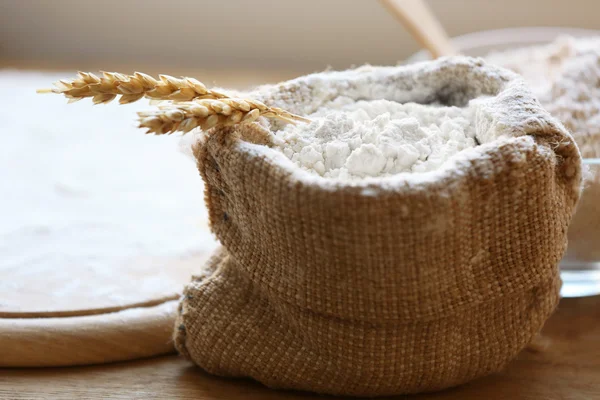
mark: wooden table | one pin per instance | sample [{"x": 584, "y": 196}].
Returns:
[{"x": 563, "y": 364}]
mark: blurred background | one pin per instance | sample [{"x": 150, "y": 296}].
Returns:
[{"x": 267, "y": 40}]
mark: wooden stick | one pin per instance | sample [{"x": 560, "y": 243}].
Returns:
[{"x": 421, "y": 23}]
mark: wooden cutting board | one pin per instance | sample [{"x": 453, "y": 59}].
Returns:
[
  {"x": 100, "y": 228},
  {"x": 86, "y": 316}
]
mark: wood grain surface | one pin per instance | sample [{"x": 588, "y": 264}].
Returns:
[
  {"x": 564, "y": 363},
  {"x": 92, "y": 339},
  {"x": 81, "y": 334}
]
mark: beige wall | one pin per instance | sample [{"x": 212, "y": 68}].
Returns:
[{"x": 304, "y": 34}]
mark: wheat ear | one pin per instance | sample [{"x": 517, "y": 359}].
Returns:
[
  {"x": 194, "y": 105},
  {"x": 208, "y": 113},
  {"x": 131, "y": 88}
]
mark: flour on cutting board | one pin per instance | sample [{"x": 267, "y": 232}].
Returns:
[
  {"x": 84, "y": 191},
  {"x": 350, "y": 139}
]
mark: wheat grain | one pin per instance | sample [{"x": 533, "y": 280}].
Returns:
[
  {"x": 208, "y": 113},
  {"x": 131, "y": 88}
]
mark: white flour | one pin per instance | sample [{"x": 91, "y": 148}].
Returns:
[
  {"x": 565, "y": 76},
  {"x": 353, "y": 140}
]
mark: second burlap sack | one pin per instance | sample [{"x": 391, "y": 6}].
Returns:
[{"x": 403, "y": 284}]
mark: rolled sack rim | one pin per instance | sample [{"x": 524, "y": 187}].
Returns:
[{"x": 510, "y": 115}]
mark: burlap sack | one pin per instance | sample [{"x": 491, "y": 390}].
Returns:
[{"x": 410, "y": 283}]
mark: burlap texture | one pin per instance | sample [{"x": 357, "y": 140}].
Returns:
[{"x": 405, "y": 284}]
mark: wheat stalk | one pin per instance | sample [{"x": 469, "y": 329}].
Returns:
[
  {"x": 208, "y": 113},
  {"x": 131, "y": 88},
  {"x": 192, "y": 103}
]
